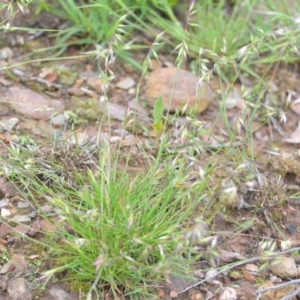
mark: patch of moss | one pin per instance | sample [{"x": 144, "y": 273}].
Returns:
[
  {"x": 4, "y": 256},
  {"x": 77, "y": 285},
  {"x": 66, "y": 75},
  {"x": 36, "y": 248},
  {"x": 86, "y": 111},
  {"x": 260, "y": 280}
]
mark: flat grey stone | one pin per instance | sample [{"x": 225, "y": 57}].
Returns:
[
  {"x": 18, "y": 289},
  {"x": 46, "y": 208},
  {"x": 33, "y": 104},
  {"x": 21, "y": 218},
  {"x": 23, "y": 204},
  {"x": 32, "y": 214},
  {"x": 126, "y": 83},
  {"x": 5, "y": 268},
  {"x": 121, "y": 132},
  {"x": 57, "y": 293},
  {"x": 4, "y": 202}
]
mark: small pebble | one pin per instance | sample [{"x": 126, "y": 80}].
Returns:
[
  {"x": 96, "y": 84},
  {"x": 252, "y": 268},
  {"x": 32, "y": 214},
  {"x": 115, "y": 139},
  {"x": 285, "y": 267},
  {"x": 21, "y": 218},
  {"x": 130, "y": 137},
  {"x": 4, "y": 202},
  {"x": 23, "y": 204},
  {"x": 230, "y": 102},
  {"x": 126, "y": 83},
  {"x": 34, "y": 256},
  {"x": 179, "y": 90},
  {"x": 211, "y": 274},
  {"x": 46, "y": 209},
  {"x": 291, "y": 227},
  {"x": 75, "y": 91},
  {"x": 6, "y": 53},
  {"x": 121, "y": 132},
  {"x": 5, "y": 212},
  {"x": 132, "y": 91},
  {"x": 57, "y": 121},
  {"x": 6, "y": 267}
]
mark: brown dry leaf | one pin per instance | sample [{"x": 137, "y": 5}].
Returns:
[
  {"x": 228, "y": 294},
  {"x": 252, "y": 268},
  {"x": 160, "y": 294},
  {"x": 230, "y": 256},
  {"x": 248, "y": 276},
  {"x": 295, "y": 136},
  {"x": 51, "y": 78},
  {"x": 286, "y": 290},
  {"x": 237, "y": 244},
  {"x": 268, "y": 295},
  {"x": 47, "y": 72},
  {"x": 173, "y": 294},
  {"x": 75, "y": 91},
  {"x": 78, "y": 83},
  {"x": 4, "y": 242},
  {"x": 9, "y": 138}
]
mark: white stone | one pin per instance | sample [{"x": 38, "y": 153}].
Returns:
[
  {"x": 21, "y": 218},
  {"x": 5, "y": 213},
  {"x": 6, "y": 53},
  {"x": 18, "y": 288},
  {"x": 284, "y": 267},
  {"x": 23, "y": 204},
  {"x": 126, "y": 83},
  {"x": 4, "y": 202},
  {"x": 115, "y": 139}
]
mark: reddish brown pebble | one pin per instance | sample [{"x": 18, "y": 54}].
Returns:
[{"x": 179, "y": 90}]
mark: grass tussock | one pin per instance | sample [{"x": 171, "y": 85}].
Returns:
[{"x": 122, "y": 233}]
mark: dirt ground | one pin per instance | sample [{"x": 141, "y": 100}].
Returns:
[{"x": 268, "y": 172}]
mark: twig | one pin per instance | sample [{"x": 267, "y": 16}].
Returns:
[
  {"x": 278, "y": 127},
  {"x": 259, "y": 292},
  {"x": 293, "y": 294},
  {"x": 236, "y": 265}
]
